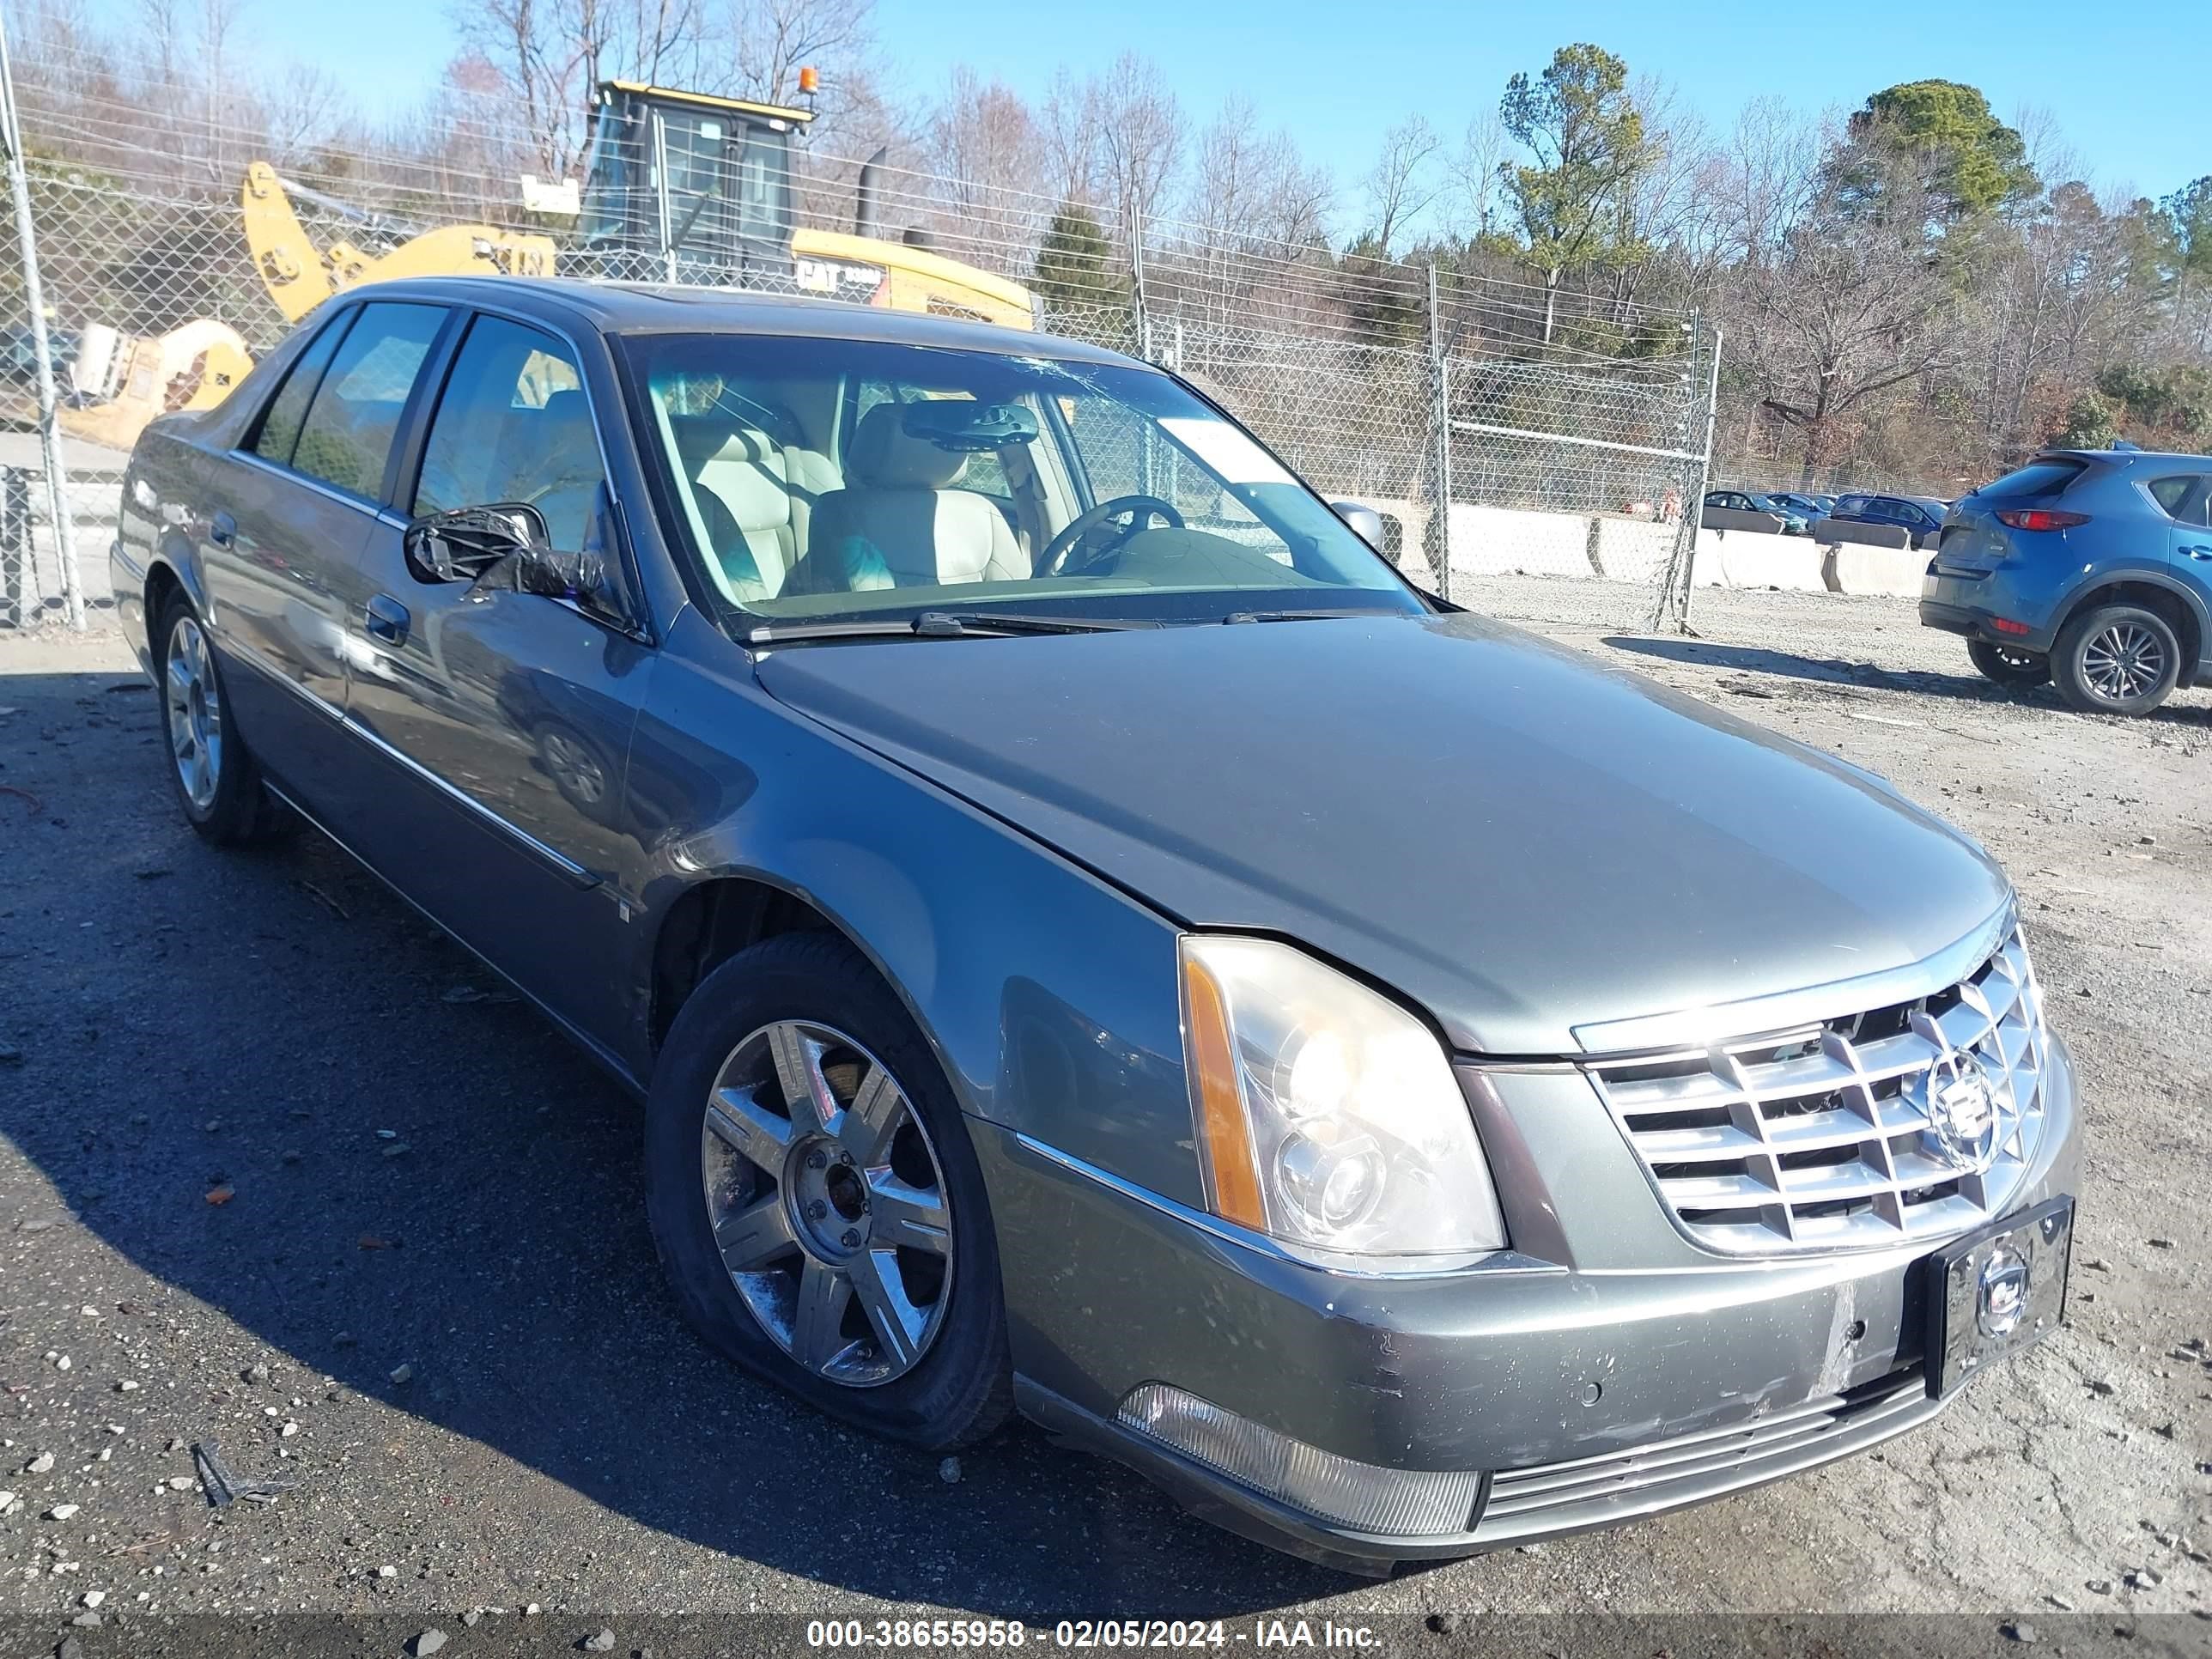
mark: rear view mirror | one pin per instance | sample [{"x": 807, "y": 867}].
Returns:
[{"x": 1363, "y": 522}]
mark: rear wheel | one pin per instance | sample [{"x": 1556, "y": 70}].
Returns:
[
  {"x": 2008, "y": 664},
  {"x": 2116, "y": 659},
  {"x": 217, "y": 783}
]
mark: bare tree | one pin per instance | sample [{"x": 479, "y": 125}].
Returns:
[
  {"x": 1140, "y": 138},
  {"x": 1477, "y": 204},
  {"x": 771, "y": 40},
  {"x": 1073, "y": 143},
  {"x": 1850, "y": 311},
  {"x": 989, "y": 156},
  {"x": 1401, "y": 185}
]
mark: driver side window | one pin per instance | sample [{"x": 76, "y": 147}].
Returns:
[{"x": 513, "y": 425}]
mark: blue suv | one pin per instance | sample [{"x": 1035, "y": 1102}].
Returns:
[{"x": 2090, "y": 568}]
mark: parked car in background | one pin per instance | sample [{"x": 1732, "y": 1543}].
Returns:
[
  {"x": 1920, "y": 516},
  {"x": 1812, "y": 508},
  {"x": 962, "y": 783},
  {"x": 1745, "y": 501},
  {"x": 2089, "y": 568}
]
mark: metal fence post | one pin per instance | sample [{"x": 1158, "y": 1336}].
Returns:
[
  {"x": 1672, "y": 614},
  {"x": 1440, "y": 419},
  {"x": 1137, "y": 283},
  {"x": 50, "y": 435}
]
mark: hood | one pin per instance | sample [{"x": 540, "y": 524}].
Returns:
[{"x": 1515, "y": 838}]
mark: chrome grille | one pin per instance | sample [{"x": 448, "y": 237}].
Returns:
[{"x": 1840, "y": 1135}]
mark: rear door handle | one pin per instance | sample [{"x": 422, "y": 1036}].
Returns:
[
  {"x": 223, "y": 530},
  {"x": 387, "y": 620}
]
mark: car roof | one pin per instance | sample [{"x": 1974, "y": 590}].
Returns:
[
  {"x": 652, "y": 308},
  {"x": 2124, "y": 457}
]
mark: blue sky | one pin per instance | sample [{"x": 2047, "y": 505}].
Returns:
[{"x": 2122, "y": 91}]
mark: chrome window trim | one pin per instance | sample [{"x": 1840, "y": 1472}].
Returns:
[
  {"x": 1719, "y": 1022},
  {"x": 346, "y": 497}
]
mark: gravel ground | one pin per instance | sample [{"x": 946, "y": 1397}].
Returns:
[{"x": 427, "y": 1298}]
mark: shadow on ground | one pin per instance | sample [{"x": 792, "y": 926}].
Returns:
[
  {"x": 1843, "y": 672},
  {"x": 190, "y": 1017}
]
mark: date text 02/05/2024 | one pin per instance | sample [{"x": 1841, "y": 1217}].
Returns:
[{"x": 1086, "y": 1633}]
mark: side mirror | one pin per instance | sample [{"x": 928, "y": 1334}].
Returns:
[
  {"x": 1363, "y": 522},
  {"x": 464, "y": 544},
  {"x": 506, "y": 546}
]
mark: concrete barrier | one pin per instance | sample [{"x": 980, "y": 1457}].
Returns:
[
  {"x": 1633, "y": 549},
  {"x": 1855, "y": 568},
  {"x": 1737, "y": 518},
  {"x": 1746, "y": 559},
  {"x": 1500, "y": 541},
  {"x": 1830, "y": 531}
]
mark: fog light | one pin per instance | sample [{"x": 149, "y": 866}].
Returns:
[{"x": 1398, "y": 1503}]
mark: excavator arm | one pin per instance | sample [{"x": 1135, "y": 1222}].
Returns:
[{"x": 300, "y": 277}]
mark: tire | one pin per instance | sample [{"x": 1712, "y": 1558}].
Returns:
[
  {"x": 941, "y": 1382},
  {"x": 217, "y": 782},
  {"x": 2116, "y": 659},
  {"x": 2008, "y": 664}
]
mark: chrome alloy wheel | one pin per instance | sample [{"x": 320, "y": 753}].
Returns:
[
  {"x": 827, "y": 1203},
  {"x": 195, "y": 710},
  {"x": 2123, "y": 660}
]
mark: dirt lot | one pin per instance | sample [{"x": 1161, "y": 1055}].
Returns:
[{"x": 425, "y": 1177}]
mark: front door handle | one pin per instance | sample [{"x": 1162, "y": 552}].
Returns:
[
  {"x": 223, "y": 530},
  {"x": 2198, "y": 552},
  {"x": 387, "y": 620}
]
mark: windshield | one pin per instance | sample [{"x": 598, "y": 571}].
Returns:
[
  {"x": 814, "y": 479},
  {"x": 728, "y": 181}
]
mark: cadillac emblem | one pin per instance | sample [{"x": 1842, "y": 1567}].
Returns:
[{"x": 1956, "y": 1096}]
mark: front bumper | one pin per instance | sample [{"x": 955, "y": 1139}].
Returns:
[{"x": 1613, "y": 1372}]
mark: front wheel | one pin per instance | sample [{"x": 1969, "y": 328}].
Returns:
[
  {"x": 2116, "y": 659},
  {"x": 815, "y": 1201},
  {"x": 2008, "y": 664}
]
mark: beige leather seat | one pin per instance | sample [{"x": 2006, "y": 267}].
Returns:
[
  {"x": 767, "y": 490},
  {"x": 899, "y": 520}
]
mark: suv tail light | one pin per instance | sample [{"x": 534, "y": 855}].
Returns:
[{"x": 2041, "y": 517}]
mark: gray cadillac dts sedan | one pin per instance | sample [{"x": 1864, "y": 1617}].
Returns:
[{"x": 1092, "y": 940}]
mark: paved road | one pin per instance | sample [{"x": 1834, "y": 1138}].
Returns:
[{"x": 422, "y": 1174}]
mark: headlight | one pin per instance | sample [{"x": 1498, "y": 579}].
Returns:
[{"x": 1328, "y": 1116}]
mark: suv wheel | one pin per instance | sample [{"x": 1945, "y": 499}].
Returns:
[
  {"x": 816, "y": 1201},
  {"x": 217, "y": 783},
  {"x": 2008, "y": 664},
  {"x": 2116, "y": 659}
]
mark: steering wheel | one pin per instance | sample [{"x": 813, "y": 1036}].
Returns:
[{"x": 1054, "y": 561}]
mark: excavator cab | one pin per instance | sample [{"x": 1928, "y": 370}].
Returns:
[{"x": 684, "y": 186}]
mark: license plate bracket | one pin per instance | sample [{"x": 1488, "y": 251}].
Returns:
[{"x": 1996, "y": 1292}]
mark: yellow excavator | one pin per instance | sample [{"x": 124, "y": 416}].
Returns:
[{"x": 679, "y": 186}]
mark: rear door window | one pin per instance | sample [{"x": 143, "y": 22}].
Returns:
[
  {"x": 279, "y": 431},
  {"x": 346, "y": 438},
  {"x": 2180, "y": 497}
]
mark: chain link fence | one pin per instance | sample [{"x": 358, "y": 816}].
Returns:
[{"x": 1532, "y": 454}]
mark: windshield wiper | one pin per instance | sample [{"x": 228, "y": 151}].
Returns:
[
  {"x": 1304, "y": 616},
  {"x": 938, "y": 625}
]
